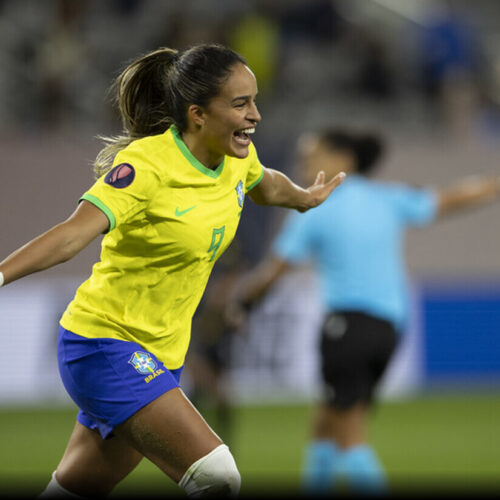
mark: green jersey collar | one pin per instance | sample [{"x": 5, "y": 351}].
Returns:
[{"x": 191, "y": 158}]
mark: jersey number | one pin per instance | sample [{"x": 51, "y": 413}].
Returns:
[{"x": 217, "y": 237}]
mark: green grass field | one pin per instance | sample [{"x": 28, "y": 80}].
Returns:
[{"x": 434, "y": 443}]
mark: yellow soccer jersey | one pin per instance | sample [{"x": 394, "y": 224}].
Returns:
[{"x": 170, "y": 219}]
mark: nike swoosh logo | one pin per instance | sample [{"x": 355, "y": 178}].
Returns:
[{"x": 178, "y": 212}]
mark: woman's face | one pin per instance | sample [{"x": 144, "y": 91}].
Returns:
[
  {"x": 314, "y": 156},
  {"x": 231, "y": 117}
]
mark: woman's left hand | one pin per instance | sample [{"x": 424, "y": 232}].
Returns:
[
  {"x": 320, "y": 190},
  {"x": 277, "y": 189}
]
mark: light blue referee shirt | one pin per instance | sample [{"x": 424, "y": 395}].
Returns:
[{"x": 356, "y": 240}]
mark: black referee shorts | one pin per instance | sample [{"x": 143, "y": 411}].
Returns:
[{"x": 355, "y": 350}]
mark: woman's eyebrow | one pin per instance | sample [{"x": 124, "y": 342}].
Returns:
[{"x": 241, "y": 97}]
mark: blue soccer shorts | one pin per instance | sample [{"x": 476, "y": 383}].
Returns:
[{"x": 109, "y": 379}]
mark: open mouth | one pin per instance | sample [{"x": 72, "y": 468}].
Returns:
[{"x": 242, "y": 137}]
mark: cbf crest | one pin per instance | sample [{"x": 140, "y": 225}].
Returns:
[
  {"x": 143, "y": 362},
  {"x": 240, "y": 193}
]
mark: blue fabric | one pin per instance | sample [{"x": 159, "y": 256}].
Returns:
[
  {"x": 356, "y": 240},
  {"x": 318, "y": 467},
  {"x": 110, "y": 379},
  {"x": 362, "y": 471}
]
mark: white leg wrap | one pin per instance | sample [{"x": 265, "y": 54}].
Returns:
[
  {"x": 213, "y": 474},
  {"x": 55, "y": 490}
]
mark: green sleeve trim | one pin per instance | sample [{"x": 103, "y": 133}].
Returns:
[
  {"x": 249, "y": 188},
  {"x": 99, "y": 204}
]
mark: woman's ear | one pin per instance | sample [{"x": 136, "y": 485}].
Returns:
[{"x": 196, "y": 114}]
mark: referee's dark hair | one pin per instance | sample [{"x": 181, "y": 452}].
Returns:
[{"x": 367, "y": 147}]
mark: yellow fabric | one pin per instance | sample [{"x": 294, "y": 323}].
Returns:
[{"x": 167, "y": 229}]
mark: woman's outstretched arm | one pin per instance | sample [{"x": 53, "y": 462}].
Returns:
[
  {"x": 59, "y": 244},
  {"x": 277, "y": 189}
]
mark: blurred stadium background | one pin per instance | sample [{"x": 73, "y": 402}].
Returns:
[{"x": 425, "y": 73}]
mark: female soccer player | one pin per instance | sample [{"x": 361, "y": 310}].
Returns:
[
  {"x": 169, "y": 196},
  {"x": 355, "y": 240}
]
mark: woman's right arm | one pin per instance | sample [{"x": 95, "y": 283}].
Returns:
[{"x": 59, "y": 244}]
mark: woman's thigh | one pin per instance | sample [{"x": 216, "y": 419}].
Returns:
[
  {"x": 92, "y": 465},
  {"x": 170, "y": 432}
]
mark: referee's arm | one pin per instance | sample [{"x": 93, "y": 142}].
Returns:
[
  {"x": 468, "y": 192},
  {"x": 251, "y": 287}
]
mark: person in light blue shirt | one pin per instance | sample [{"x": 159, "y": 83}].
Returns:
[{"x": 355, "y": 241}]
